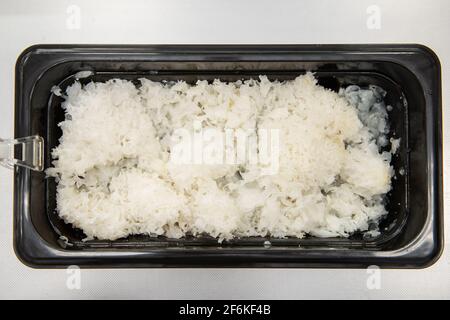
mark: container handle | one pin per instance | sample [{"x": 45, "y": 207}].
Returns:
[{"x": 25, "y": 152}]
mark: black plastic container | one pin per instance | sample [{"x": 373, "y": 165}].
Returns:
[{"x": 412, "y": 233}]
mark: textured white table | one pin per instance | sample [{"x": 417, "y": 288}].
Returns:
[{"x": 23, "y": 23}]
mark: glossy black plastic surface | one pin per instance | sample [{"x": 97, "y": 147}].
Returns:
[{"x": 411, "y": 234}]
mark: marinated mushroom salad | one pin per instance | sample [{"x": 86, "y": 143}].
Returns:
[{"x": 225, "y": 159}]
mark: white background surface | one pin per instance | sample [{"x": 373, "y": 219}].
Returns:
[{"x": 23, "y": 23}]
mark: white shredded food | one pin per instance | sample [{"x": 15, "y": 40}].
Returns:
[{"x": 115, "y": 177}]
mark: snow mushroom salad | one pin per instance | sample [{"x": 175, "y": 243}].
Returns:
[{"x": 224, "y": 159}]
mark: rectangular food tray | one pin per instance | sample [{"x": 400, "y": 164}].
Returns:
[{"x": 411, "y": 234}]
